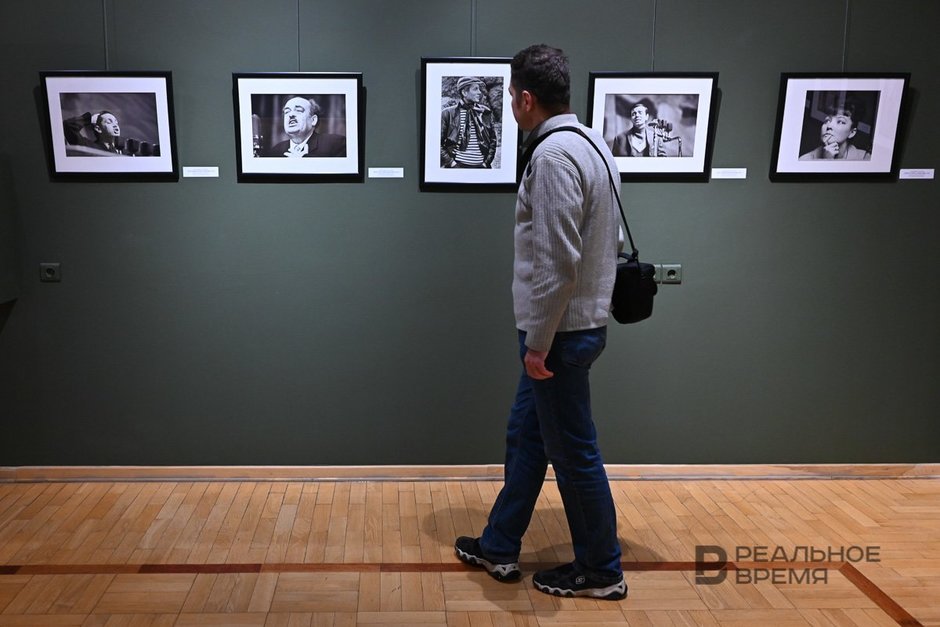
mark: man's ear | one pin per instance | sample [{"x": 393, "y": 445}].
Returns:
[
  {"x": 528, "y": 100},
  {"x": 315, "y": 118}
]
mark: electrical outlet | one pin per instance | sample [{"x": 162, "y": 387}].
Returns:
[
  {"x": 50, "y": 272},
  {"x": 672, "y": 273},
  {"x": 658, "y": 272}
]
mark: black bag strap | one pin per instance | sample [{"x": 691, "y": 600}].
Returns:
[{"x": 530, "y": 150}]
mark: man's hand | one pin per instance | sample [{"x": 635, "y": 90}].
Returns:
[{"x": 535, "y": 365}]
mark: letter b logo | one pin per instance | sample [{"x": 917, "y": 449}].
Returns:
[{"x": 700, "y": 562}]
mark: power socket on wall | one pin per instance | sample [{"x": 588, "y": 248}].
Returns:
[
  {"x": 50, "y": 272},
  {"x": 672, "y": 273},
  {"x": 668, "y": 273}
]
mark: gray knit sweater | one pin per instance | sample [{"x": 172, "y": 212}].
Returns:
[{"x": 566, "y": 236}]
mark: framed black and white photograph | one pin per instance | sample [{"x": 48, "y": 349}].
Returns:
[
  {"x": 469, "y": 138},
  {"x": 659, "y": 126},
  {"x": 838, "y": 126},
  {"x": 110, "y": 125},
  {"x": 299, "y": 127}
]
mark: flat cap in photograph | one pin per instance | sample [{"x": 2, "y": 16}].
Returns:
[{"x": 466, "y": 81}]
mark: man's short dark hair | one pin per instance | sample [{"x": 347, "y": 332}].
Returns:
[
  {"x": 315, "y": 108},
  {"x": 647, "y": 104},
  {"x": 543, "y": 71},
  {"x": 97, "y": 123}
]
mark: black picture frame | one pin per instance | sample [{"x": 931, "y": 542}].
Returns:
[
  {"x": 676, "y": 113},
  {"x": 442, "y": 169},
  {"x": 333, "y": 102},
  {"x": 839, "y": 126},
  {"x": 109, "y": 126}
]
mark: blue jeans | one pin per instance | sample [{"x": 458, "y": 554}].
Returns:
[{"x": 551, "y": 421}]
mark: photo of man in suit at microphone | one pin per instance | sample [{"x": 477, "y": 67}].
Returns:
[
  {"x": 651, "y": 125},
  {"x": 298, "y": 125},
  {"x": 110, "y": 124}
]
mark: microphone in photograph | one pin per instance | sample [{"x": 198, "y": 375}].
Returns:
[
  {"x": 662, "y": 124},
  {"x": 662, "y": 136},
  {"x": 131, "y": 146},
  {"x": 256, "y": 136}
]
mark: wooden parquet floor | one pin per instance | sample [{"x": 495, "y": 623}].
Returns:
[{"x": 109, "y": 554}]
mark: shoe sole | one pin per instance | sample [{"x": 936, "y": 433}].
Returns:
[
  {"x": 499, "y": 572},
  {"x": 616, "y": 592}
]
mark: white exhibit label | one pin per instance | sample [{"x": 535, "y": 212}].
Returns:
[
  {"x": 729, "y": 173},
  {"x": 918, "y": 173},
  {"x": 202, "y": 171},
  {"x": 386, "y": 173}
]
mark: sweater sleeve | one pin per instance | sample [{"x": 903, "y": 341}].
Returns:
[
  {"x": 73, "y": 129},
  {"x": 557, "y": 210}
]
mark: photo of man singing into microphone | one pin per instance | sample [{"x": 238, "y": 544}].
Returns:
[
  {"x": 110, "y": 124},
  {"x": 651, "y": 125}
]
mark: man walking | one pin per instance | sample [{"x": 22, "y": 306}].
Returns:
[{"x": 566, "y": 242}]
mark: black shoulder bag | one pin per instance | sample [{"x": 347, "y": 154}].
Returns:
[{"x": 634, "y": 286}]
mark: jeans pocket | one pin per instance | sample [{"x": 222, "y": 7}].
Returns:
[{"x": 582, "y": 348}]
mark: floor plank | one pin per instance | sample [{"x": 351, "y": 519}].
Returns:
[{"x": 297, "y": 553}]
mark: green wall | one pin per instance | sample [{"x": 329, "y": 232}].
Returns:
[{"x": 211, "y": 322}]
